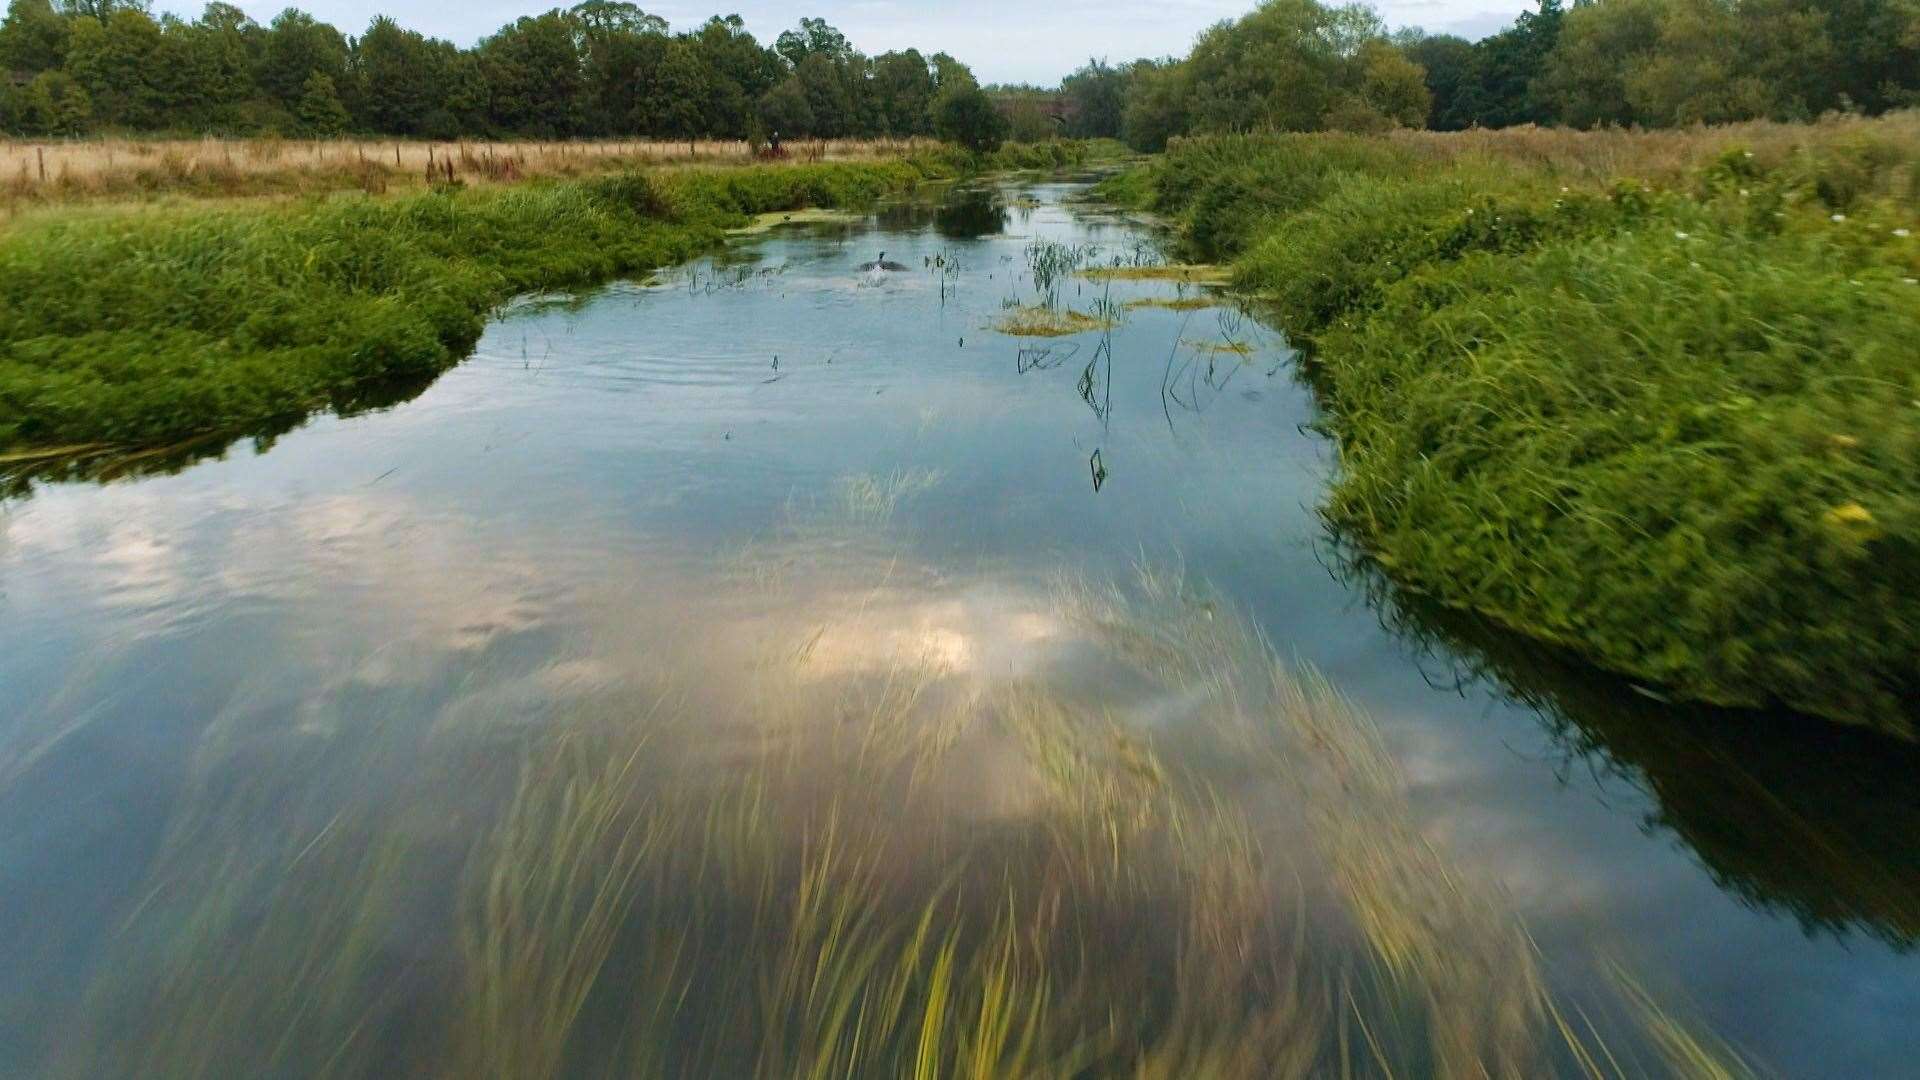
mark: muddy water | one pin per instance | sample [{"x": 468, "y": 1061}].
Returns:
[{"x": 751, "y": 497}]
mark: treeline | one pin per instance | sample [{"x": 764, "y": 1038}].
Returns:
[
  {"x": 600, "y": 68},
  {"x": 1299, "y": 65}
]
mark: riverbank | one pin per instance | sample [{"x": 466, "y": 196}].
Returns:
[
  {"x": 139, "y": 325},
  {"x": 1653, "y": 397}
]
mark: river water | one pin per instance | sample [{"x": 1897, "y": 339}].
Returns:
[{"x": 211, "y": 667}]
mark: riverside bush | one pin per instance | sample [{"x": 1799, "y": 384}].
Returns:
[
  {"x": 139, "y": 327},
  {"x": 1674, "y": 424}
]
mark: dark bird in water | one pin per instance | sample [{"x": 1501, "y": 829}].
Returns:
[{"x": 881, "y": 263}]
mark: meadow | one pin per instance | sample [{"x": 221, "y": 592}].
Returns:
[{"x": 1652, "y": 396}]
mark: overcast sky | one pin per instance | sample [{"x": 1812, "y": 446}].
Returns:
[{"x": 1004, "y": 40}]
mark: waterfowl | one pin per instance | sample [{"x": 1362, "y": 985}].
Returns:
[{"x": 881, "y": 263}]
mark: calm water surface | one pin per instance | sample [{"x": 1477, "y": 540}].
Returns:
[{"x": 593, "y": 500}]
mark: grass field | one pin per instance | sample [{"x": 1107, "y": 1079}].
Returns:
[{"x": 1651, "y": 396}]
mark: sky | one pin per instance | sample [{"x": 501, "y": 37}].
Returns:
[{"x": 1034, "y": 41}]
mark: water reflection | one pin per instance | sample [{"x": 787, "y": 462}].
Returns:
[
  {"x": 960, "y": 212},
  {"x": 19, "y": 477},
  {"x": 1788, "y": 813},
  {"x": 971, "y": 213}
]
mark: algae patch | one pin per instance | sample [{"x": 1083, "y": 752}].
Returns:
[
  {"x": 1187, "y": 273},
  {"x": 766, "y": 223},
  {"x": 1037, "y": 321},
  {"x": 1174, "y": 303}
]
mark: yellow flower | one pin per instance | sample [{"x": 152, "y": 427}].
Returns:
[{"x": 1854, "y": 523}]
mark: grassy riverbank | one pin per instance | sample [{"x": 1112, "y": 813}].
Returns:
[
  {"x": 128, "y": 325},
  {"x": 1654, "y": 397}
]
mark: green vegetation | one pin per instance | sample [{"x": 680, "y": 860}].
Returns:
[
  {"x": 1671, "y": 421},
  {"x": 1299, "y": 65},
  {"x": 963, "y": 115},
  {"x": 600, "y": 68},
  {"x": 607, "y": 68},
  {"x": 123, "y": 326}
]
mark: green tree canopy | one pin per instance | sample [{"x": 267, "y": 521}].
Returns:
[
  {"x": 535, "y": 76},
  {"x": 964, "y": 115},
  {"x": 784, "y": 112},
  {"x": 321, "y": 111},
  {"x": 33, "y": 37}
]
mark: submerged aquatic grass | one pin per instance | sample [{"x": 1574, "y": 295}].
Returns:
[{"x": 1180, "y": 858}]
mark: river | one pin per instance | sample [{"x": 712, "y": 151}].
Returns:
[{"x": 222, "y": 678}]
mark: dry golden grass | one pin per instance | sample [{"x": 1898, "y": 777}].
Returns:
[
  {"x": 1668, "y": 156},
  {"x": 39, "y": 172}
]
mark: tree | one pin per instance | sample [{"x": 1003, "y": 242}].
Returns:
[
  {"x": 827, "y": 98},
  {"x": 813, "y": 37},
  {"x": 102, "y": 10},
  {"x": 903, "y": 85},
  {"x": 677, "y": 93},
  {"x": 1583, "y": 81},
  {"x": 296, "y": 47},
  {"x": 965, "y": 116},
  {"x": 1097, "y": 94},
  {"x": 784, "y": 112},
  {"x": 1156, "y": 104},
  {"x": 1392, "y": 85},
  {"x": 616, "y": 68},
  {"x": 119, "y": 64},
  {"x": 604, "y": 18},
  {"x": 1280, "y": 68},
  {"x": 1693, "y": 74},
  {"x": 1876, "y": 51},
  {"x": 1511, "y": 63},
  {"x": 1027, "y": 121},
  {"x": 52, "y": 104},
  {"x": 33, "y": 38},
  {"x": 321, "y": 111},
  {"x": 1451, "y": 73},
  {"x": 534, "y": 75},
  {"x": 213, "y": 61},
  {"x": 398, "y": 73},
  {"x": 739, "y": 72}
]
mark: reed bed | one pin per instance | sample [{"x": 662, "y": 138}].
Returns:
[{"x": 60, "y": 171}]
